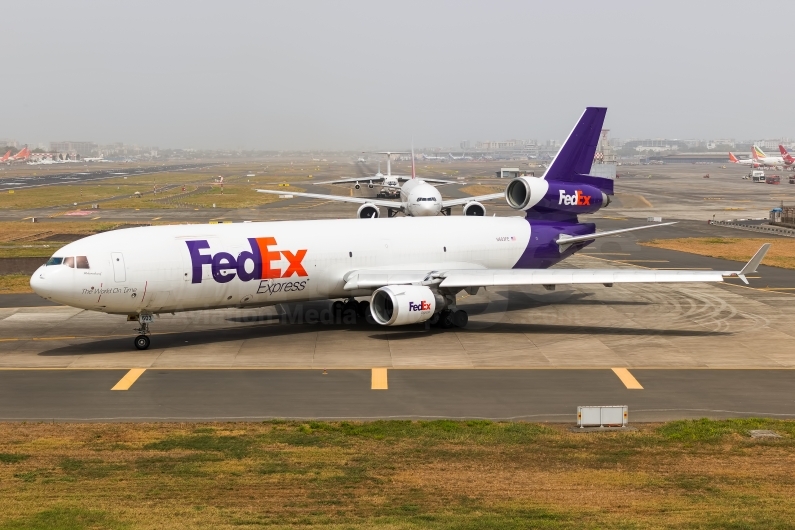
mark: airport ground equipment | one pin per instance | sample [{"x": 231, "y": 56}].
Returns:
[{"x": 603, "y": 416}]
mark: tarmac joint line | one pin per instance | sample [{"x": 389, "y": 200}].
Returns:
[
  {"x": 129, "y": 378},
  {"x": 627, "y": 378},
  {"x": 378, "y": 379}
]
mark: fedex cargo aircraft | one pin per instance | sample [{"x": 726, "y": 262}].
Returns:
[{"x": 410, "y": 268}]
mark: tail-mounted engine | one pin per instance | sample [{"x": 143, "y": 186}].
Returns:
[{"x": 543, "y": 196}]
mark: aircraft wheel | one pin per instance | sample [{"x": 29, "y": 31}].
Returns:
[
  {"x": 141, "y": 342},
  {"x": 434, "y": 320},
  {"x": 446, "y": 319},
  {"x": 460, "y": 319}
]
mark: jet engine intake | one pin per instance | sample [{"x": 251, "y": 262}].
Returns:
[
  {"x": 356, "y": 186},
  {"x": 547, "y": 197},
  {"x": 399, "y": 305},
  {"x": 370, "y": 184},
  {"x": 368, "y": 211},
  {"x": 474, "y": 208}
]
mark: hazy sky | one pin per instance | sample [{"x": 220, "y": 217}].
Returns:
[{"x": 355, "y": 75}]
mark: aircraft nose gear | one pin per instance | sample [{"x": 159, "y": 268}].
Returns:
[{"x": 142, "y": 340}]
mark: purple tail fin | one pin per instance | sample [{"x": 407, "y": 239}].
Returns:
[{"x": 574, "y": 160}]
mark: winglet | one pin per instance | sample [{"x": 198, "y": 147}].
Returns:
[{"x": 754, "y": 262}]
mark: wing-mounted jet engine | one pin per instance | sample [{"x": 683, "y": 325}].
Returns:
[
  {"x": 368, "y": 211},
  {"x": 474, "y": 208}
]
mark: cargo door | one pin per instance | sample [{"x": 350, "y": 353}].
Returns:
[{"x": 119, "y": 271}]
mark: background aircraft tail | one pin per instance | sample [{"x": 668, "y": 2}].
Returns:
[
  {"x": 574, "y": 160},
  {"x": 758, "y": 153},
  {"x": 783, "y": 151},
  {"x": 733, "y": 158}
]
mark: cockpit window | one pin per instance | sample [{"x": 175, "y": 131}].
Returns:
[
  {"x": 69, "y": 261},
  {"x": 82, "y": 262},
  {"x": 54, "y": 261}
]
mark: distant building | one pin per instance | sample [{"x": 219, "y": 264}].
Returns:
[
  {"x": 81, "y": 148},
  {"x": 8, "y": 142}
]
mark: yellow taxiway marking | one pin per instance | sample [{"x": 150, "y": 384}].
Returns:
[
  {"x": 26, "y": 218},
  {"x": 378, "y": 379},
  {"x": 776, "y": 288},
  {"x": 627, "y": 378},
  {"x": 127, "y": 381},
  {"x": 156, "y": 218},
  {"x": 642, "y": 260},
  {"x": 95, "y": 218}
]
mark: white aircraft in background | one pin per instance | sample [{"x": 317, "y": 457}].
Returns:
[
  {"x": 431, "y": 157},
  {"x": 764, "y": 160},
  {"x": 99, "y": 158},
  {"x": 418, "y": 198},
  {"x": 742, "y": 161},
  {"x": 462, "y": 157},
  {"x": 410, "y": 270},
  {"x": 361, "y": 160}
]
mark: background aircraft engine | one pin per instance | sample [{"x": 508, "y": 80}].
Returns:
[
  {"x": 368, "y": 211},
  {"x": 398, "y": 305},
  {"x": 525, "y": 193},
  {"x": 370, "y": 185},
  {"x": 474, "y": 208},
  {"x": 356, "y": 186}
]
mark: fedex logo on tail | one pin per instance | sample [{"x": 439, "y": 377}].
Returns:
[
  {"x": 422, "y": 306},
  {"x": 225, "y": 267},
  {"x": 576, "y": 199}
]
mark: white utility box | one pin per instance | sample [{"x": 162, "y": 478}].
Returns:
[{"x": 606, "y": 416}]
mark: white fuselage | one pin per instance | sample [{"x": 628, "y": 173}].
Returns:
[
  {"x": 420, "y": 199},
  {"x": 771, "y": 161},
  {"x": 185, "y": 267}
]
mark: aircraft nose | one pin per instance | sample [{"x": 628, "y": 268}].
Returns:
[{"x": 38, "y": 282}]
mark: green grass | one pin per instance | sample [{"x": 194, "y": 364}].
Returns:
[
  {"x": 14, "y": 284},
  {"x": 12, "y": 458},
  {"x": 64, "y": 518},
  {"x": 396, "y": 474}
]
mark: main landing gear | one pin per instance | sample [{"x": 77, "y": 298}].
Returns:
[
  {"x": 350, "y": 310},
  {"x": 449, "y": 319}
]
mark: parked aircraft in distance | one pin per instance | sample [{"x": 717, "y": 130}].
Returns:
[
  {"x": 742, "y": 161},
  {"x": 6, "y": 156},
  {"x": 462, "y": 157},
  {"x": 21, "y": 156},
  {"x": 418, "y": 198},
  {"x": 766, "y": 161},
  {"x": 411, "y": 270},
  {"x": 431, "y": 157},
  {"x": 788, "y": 158}
]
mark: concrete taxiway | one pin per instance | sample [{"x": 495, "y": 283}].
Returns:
[{"x": 691, "y": 350}]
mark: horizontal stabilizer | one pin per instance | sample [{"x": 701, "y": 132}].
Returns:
[{"x": 565, "y": 241}]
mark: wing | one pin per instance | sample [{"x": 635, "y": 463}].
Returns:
[
  {"x": 455, "y": 278},
  {"x": 404, "y": 178},
  {"x": 360, "y": 179},
  {"x": 456, "y": 202},
  {"x": 357, "y": 200}
]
